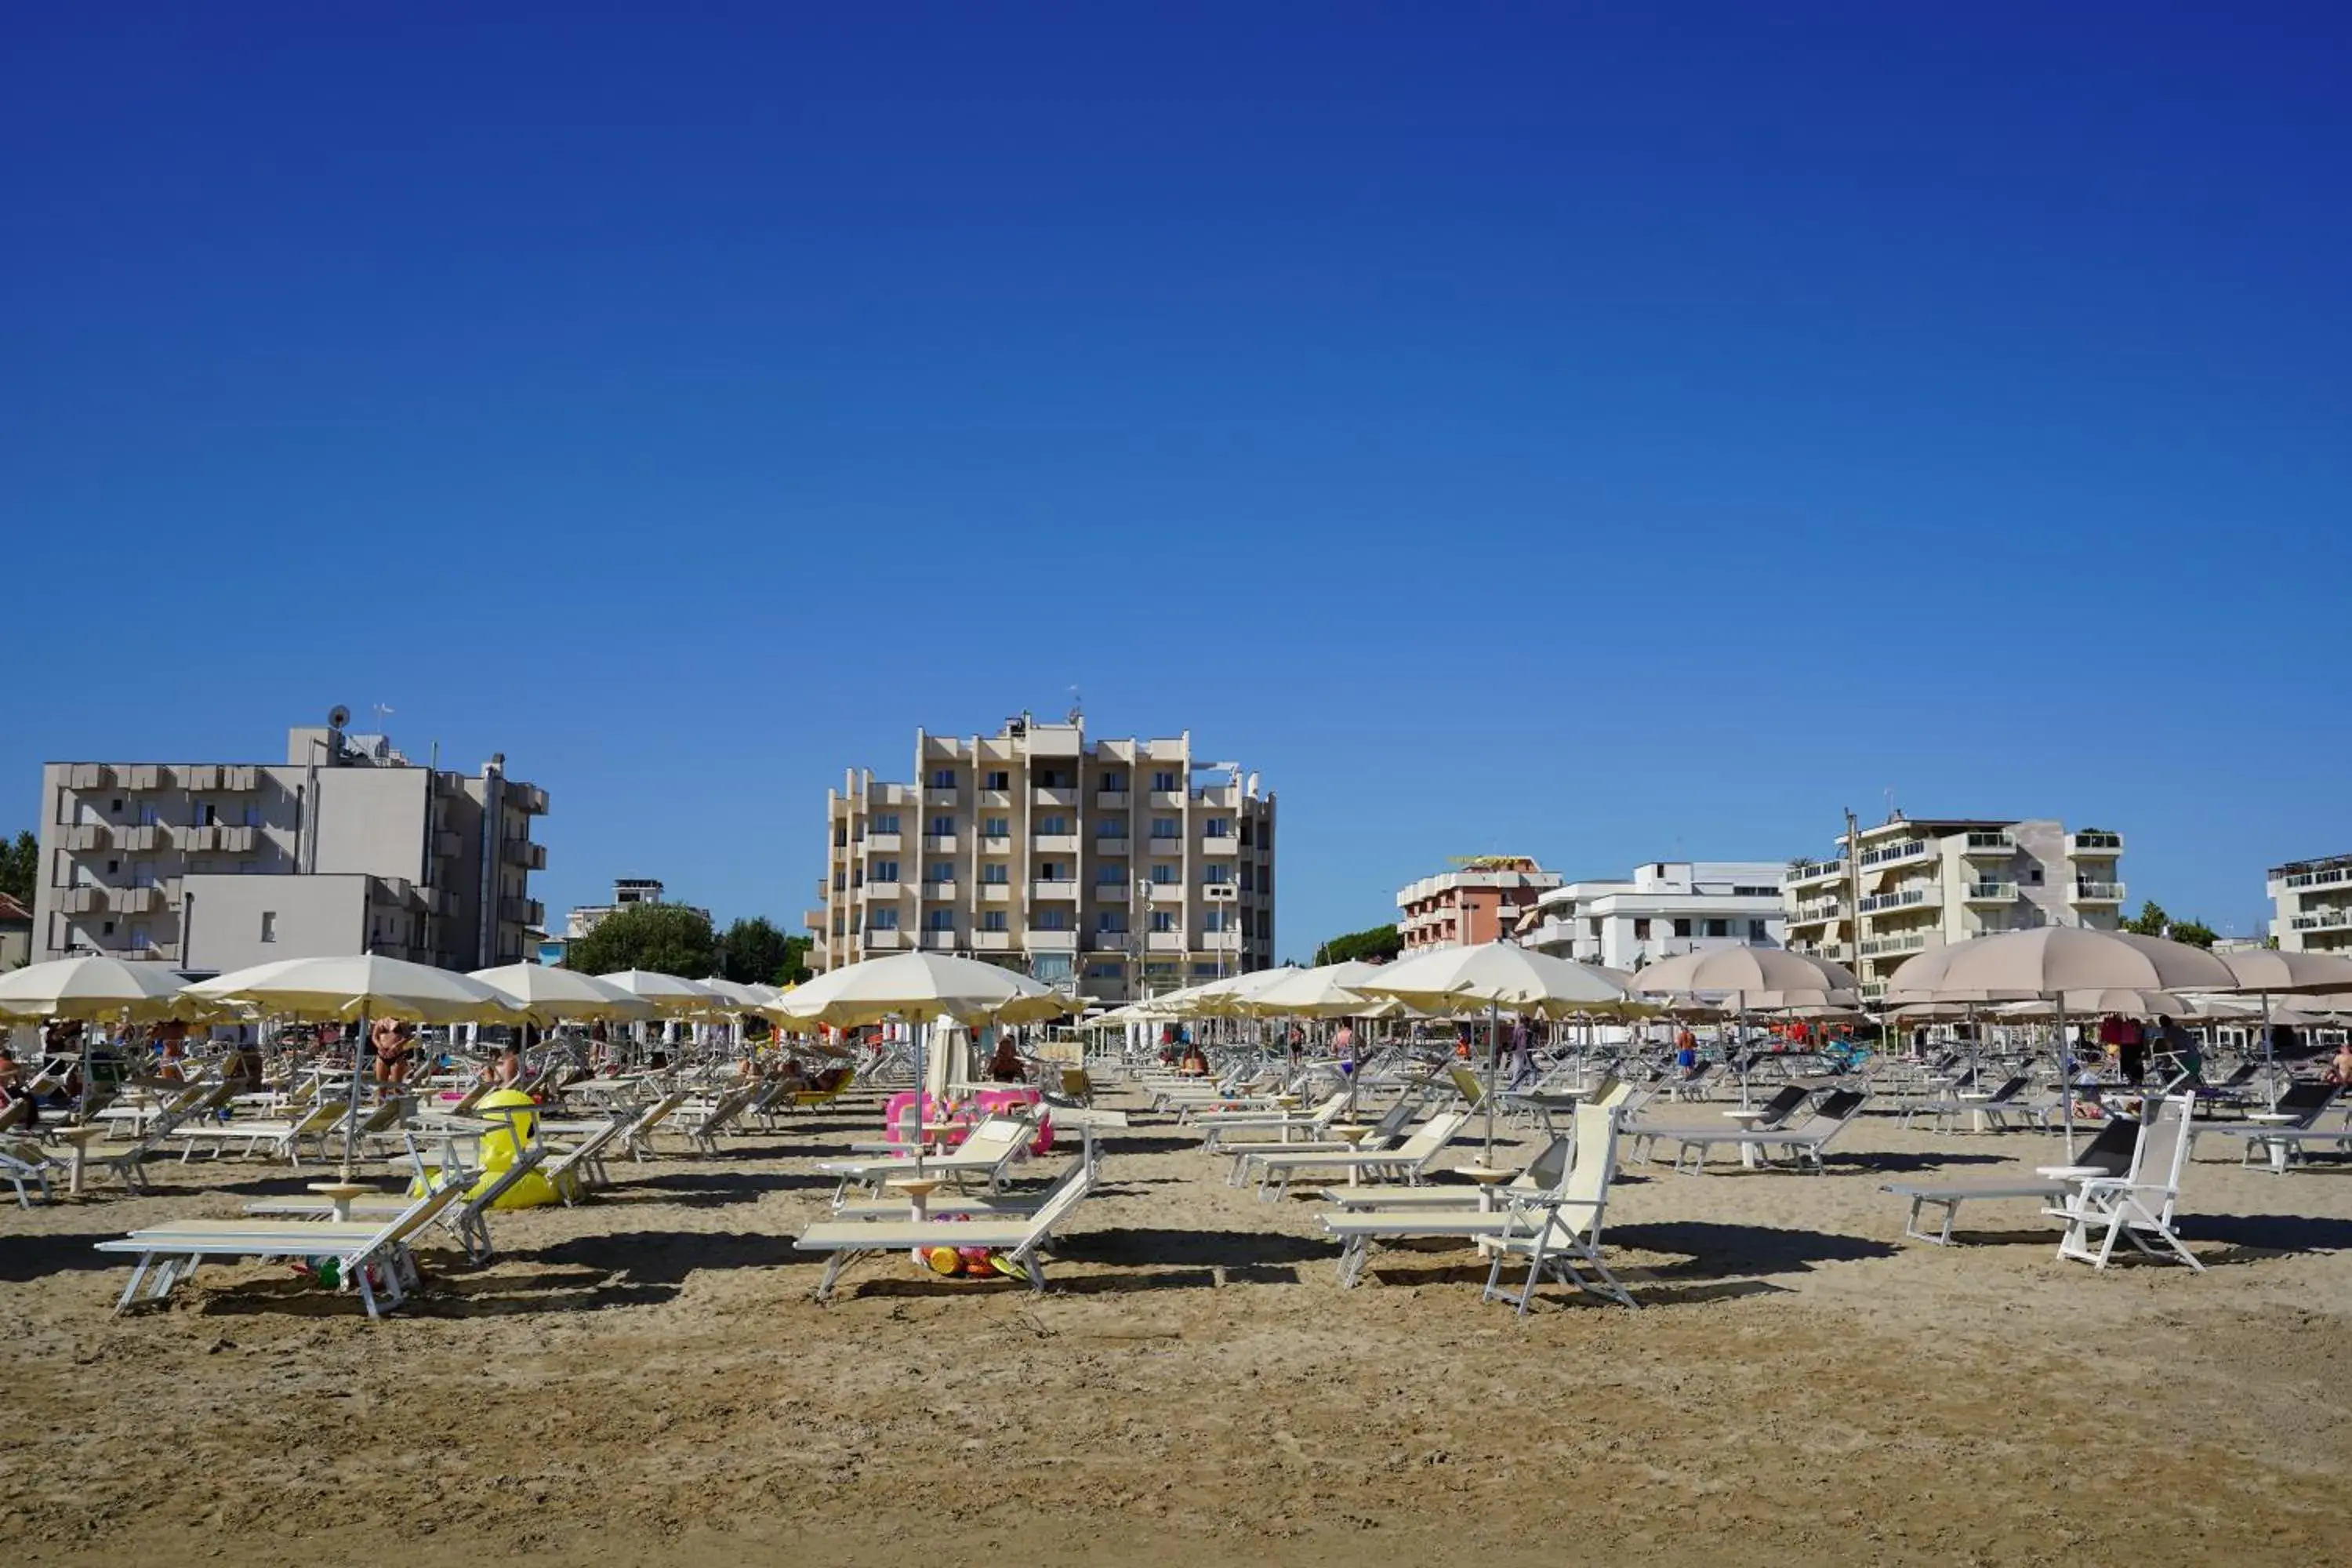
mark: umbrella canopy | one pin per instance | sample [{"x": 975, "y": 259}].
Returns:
[
  {"x": 363, "y": 986},
  {"x": 1324, "y": 992},
  {"x": 94, "y": 987},
  {"x": 1802, "y": 1000},
  {"x": 1496, "y": 974},
  {"x": 2276, "y": 973},
  {"x": 740, "y": 996},
  {"x": 2118, "y": 1002},
  {"x": 548, "y": 995},
  {"x": 671, "y": 996},
  {"x": 2023, "y": 965},
  {"x": 1744, "y": 970},
  {"x": 920, "y": 987},
  {"x": 1237, "y": 995}
]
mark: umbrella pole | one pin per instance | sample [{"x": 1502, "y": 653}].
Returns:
[
  {"x": 2065, "y": 1080},
  {"x": 351, "y": 1113},
  {"x": 922, "y": 1086},
  {"x": 1494, "y": 1061},
  {"x": 2270, "y": 1065}
]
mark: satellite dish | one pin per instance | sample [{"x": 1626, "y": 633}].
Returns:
[{"x": 337, "y": 717}]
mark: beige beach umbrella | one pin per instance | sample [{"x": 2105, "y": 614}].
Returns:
[
  {"x": 1235, "y": 995},
  {"x": 2273, "y": 971},
  {"x": 1322, "y": 993},
  {"x": 1742, "y": 970},
  {"x": 96, "y": 988},
  {"x": 1497, "y": 975},
  {"x": 671, "y": 995},
  {"x": 2050, "y": 961},
  {"x": 546, "y": 995}
]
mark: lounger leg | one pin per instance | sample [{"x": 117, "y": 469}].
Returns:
[{"x": 833, "y": 1269}]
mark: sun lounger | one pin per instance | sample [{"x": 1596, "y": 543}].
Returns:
[
  {"x": 468, "y": 1221},
  {"x": 1248, "y": 1157},
  {"x": 991, "y": 1150},
  {"x": 2109, "y": 1153},
  {"x": 373, "y": 1259},
  {"x": 993, "y": 1205},
  {"x": 1564, "y": 1240},
  {"x": 1805, "y": 1143},
  {"x": 1542, "y": 1174},
  {"x": 22, "y": 1162},
  {"x": 2099, "y": 1210},
  {"x": 1996, "y": 1108},
  {"x": 703, "y": 1130},
  {"x": 1019, "y": 1237},
  {"x": 1312, "y": 1122},
  {"x": 1644, "y": 1137},
  {"x": 272, "y": 1138},
  {"x": 1408, "y": 1159},
  {"x": 2287, "y": 1129}
]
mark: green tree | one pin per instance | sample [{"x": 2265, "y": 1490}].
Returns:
[
  {"x": 753, "y": 951},
  {"x": 20, "y": 862},
  {"x": 2151, "y": 921},
  {"x": 2196, "y": 933},
  {"x": 669, "y": 938},
  {"x": 1378, "y": 945}
]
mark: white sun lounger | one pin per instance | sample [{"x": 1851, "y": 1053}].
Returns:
[
  {"x": 1019, "y": 1237},
  {"x": 2109, "y": 1153},
  {"x": 1408, "y": 1159},
  {"x": 2100, "y": 1211},
  {"x": 991, "y": 1150}
]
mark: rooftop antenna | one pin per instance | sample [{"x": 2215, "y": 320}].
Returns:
[
  {"x": 1893, "y": 814},
  {"x": 382, "y": 710},
  {"x": 1078, "y": 707}
]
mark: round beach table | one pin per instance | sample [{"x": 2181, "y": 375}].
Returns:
[
  {"x": 1751, "y": 1155},
  {"x": 340, "y": 1195},
  {"x": 81, "y": 1137},
  {"x": 1489, "y": 1178}
]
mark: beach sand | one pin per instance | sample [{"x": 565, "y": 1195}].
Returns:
[{"x": 645, "y": 1378}]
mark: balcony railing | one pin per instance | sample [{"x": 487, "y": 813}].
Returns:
[
  {"x": 1042, "y": 795},
  {"x": 882, "y": 843},
  {"x": 2095, "y": 843},
  {"x": 1053, "y": 889},
  {"x": 522, "y": 852},
  {"x": 1889, "y": 947},
  {"x": 1891, "y": 854},
  {"x": 1170, "y": 845},
  {"x": 1111, "y": 800},
  {"x": 1054, "y": 844},
  {"x": 1991, "y": 892},
  {"x": 1813, "y": 914},
  {"x": 938, "y": 941},
  {"x": 1112, "y": 845},
  {"x": 939, "y": 844},
  {"x": 88, "y": 836},
  {"x": 1901, "y": 898},
  {"x": 1220, "y": 844},
  {"x": 1990, "y": 844},
  {"x": 2331, "y": 877},
  {"x": 2098, "y": 892},
  {"x": 2324, "y": 919},
  {"x": 1814, "y": 870},
  {"x": 991, "y": 940}
]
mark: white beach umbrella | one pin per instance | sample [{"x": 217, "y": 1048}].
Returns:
[
  {"x": 1497, "y": 975},
  {"x": 2050, "y": 961},
  {"x": 547, "y": 995},
  {"x": 1326, "y": 991},
  {"x": 1237, "y": 995},
  {"x": 671, "y": 995},
  {"x": 95, "y": 987}
]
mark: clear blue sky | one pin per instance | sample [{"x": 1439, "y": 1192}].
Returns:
[{"x": 1606, "y": 432}]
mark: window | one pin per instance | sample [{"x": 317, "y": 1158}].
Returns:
[
  {"x": 1642, "y": 928},
  {"x": 251, "y": 817},
  {"x": 148, "y": 816},
  {"x": 940, "y": 920},
  {"x": 2034, "y": 875},
  {"x": 1056, "y": 870},
  {"x": 114, "y": 868},
  {"x": 1163, "y": 875},
  {"x": 1206, "y": 968},
  {"x": 997, "y": 780},
  {"x": 886, "y": 822},
  {"x": 1114, "y": 784},
  {"x": 884, "y": 870},
  {"x": 1216, "y": 875},
  {"x": 1103, "y": 971},
  {"x": 1053, "y": 920},
  {"x": 995, "y": 874},
  {"x": 1167, "y": 827},
  {"x": 1109, "y": 873},
  {"x": 1758, "y": 932},
  {"x": 943, "y": 827},
  {"x": 938, "y": 871},
  {"x": 1165, "y": 783},
  {"x": 1718, "y": 928},
  {"x": 1054, "y": 825},
  {"x": 106, "y": 930},
  {"x": 993, "y": 920},
  {"x": 1212, "y": 919},
  {"x": 1110, "y": 828},
  {"x": 203, "y": 813},
  {"x": 1111, "y": 922},
  {"x": 143, "y": 873},
  {"x": 269, "y": 925},
  {"x": 1057, "y": 778},
  {"x": 840, "y": 880},
  {"x": 1248, "y": 874},
  {"x": 882, "y": 920},
  {"x": 1163, "y": 921},
  {"x": 1218, "y": 827},
  {"x": 1682, "y": 928},
  {"x": 117, "y": 809},
  {"x": 996, "y": 827},
  {"x": 943, "y": 778}
]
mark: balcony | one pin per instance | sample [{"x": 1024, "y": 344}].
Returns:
[
  {"x": 1167, "y": 846},
  {"x": 2094, "y": 845},
  {"x": 2322, "y": 919},
  {"x": 149, "y": 776},
  {"x": 1814, "y": 871},
  {"x": 1110, "y": 892},
  {"x": 1815, "y": 914},
  {"x": 245, "y": 778},
  {"x": 938, "y": 941},
  {"x": 1989, "y": 844},
  {"x": 939, "y": 844},
  {"x": 939, "y": 795},
  {"x": 882, "y": 843},
  {"x": 1112, "y": 800},
  {"x": 997, "y": 892},
  {"x": 88, "y": 836},
  {"x": 1106, "y": 847},
  {"x": 522, "y": 852},
  {"x": 446, "y": 845},
  {"x": 1053, "y": 941},
  {"x": 936, "y": 886},
  {"x": 1222, "y": 940},
  {"x": 1041, "y": 795},
  {"x": 1901, "y": 898},
  {"x": 1990, "y": 892},
  {"x": 885, "y": 940},
  {"x": 1163, "y": 941},
  {"x": 1895, "y": 854},
  {"x": 1054, "y": 844},
  {"x": 146, "y": 838},
  {"x": 1063, "y": 890},
  {"x": 991, "y": 941},
  {"x": 1220, "y": 844},
  {"x": 2329, "y": 876},
  {"x": 996, "y": 843},
  {"x": 138, "y": 901},
  {"x": 522, "y": 911},
  {"x": 884, "y": 890},
  {"x": 202, "y": 778},
  {"x": 1166, "y": 799},
  {"x": 90, "y": 775},
  {"x": 2098, "y": 893},
  {"x": 812, "y": 920},
  {"x": 87, "y": 899},
  {"x": 1000, "y": 798},
  {"x": 1108, "y": 940},
  {"x": 1894, "y": 946}
]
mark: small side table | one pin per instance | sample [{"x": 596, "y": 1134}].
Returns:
[
  {"x": 1750, "y": 1156},
  {"x": 340, "y": 1193},
  {"x": 1489, "y": 1178},
  {"x": 1353, "y": 1135},
  {"x": 935, "y": 1133},
  {"x": 81, "y": 1137},
  {"x": 919, "y": 1190}
]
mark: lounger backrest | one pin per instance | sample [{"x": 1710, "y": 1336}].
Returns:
[
  {"x": 1433, "y": 1135},
  {"x": 421, "y": 1213},
  {"x": 2305, "y": 1101},
  {"x": 1585, "y": 1193},
  {"x": 524, "y": 1166},
  {"x": 1075, "y": 1183},
  {"x": 1610, "y": 1092},
  {"x": 1547, "y": 1170},
  {"x": 2164, "y": 1149},
  {"x": 1386, "y": 1129},
  {"x": 2111, "y": 1151},
  {"x": 1777, "y": 1109},
  {"x": 1839, "y": 1105},
  {"x": 2010, "y": 1090},
  {"x": 1472, "y": 1088}
]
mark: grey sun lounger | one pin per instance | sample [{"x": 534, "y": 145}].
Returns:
[
  {"x": 2278, "y": 1142},
  {"x": 2110, "y": 1154}
]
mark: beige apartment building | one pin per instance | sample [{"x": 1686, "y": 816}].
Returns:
[
  {"x": 2311, "y": 905},
  {"x": 1126, "y": 867},
  {"x": 346, "y": 848},
  {"x": 1905, "y": 886}
]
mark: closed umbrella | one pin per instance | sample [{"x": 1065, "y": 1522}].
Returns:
[
  {"x": 1497, "y": 975},
  {"x": 2049, "y": 961}
]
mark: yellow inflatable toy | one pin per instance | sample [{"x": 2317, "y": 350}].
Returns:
[{"x": 516, "y": 1114}]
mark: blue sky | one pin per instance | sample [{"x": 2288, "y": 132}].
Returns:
[{"x": 1600, "y": 432}]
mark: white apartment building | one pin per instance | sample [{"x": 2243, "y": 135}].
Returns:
[
  {"x": 1905, "y": 886},
  {"x": 1666, "y": 908},
  {"x": 347, "y": 848},
  {"x": 2311, "y": 902},
  {"x": 1123, "y": 867}
]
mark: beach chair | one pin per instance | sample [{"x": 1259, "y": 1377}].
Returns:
[
  {"x": 1313, "y": 1122},
  {"x": 1560, "y": 1235},
  {"x": 2284, "y": 1132},
  {"x": 1248, "y": 1157},
  {"x": 573, "y": 1171},
  {"x": 1644, "y": 1137},
  {"x": 1806, "y": 1142},
  {"x": 1408, "y": 1160},
  {"x": 1019, "y": 1237},
  {"x": 1542, "y": 1174},
  {"x": 989, "y": 1152},
  {"x": 2109, "y": 1154},
  {"x": 373, "y": 1259},
  {"x": 991, "y": 1206},
  {"x": 2006, "y": 1100},
  {"x": 2099, "y": 1210},
  {"x": 702, "y": 1132},
  {"x": 23, "y": 1161},
  {"x": 277, "y": 1139}
]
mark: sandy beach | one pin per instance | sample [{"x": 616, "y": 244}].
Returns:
[{"x": 645, "y": 1378}]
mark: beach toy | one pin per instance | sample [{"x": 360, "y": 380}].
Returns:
[
  {"x": 516, "y": 1114},
  {"x": 941, "y": 1259}
]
